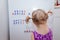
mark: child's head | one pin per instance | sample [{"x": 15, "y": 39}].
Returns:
[{"x": 39, "y": 16}]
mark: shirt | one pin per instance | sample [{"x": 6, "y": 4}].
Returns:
[{"x": 48, "y": 36}]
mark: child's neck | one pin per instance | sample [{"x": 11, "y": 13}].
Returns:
[
  {"x": 42, "y": 29},
  {"x": 42, "y": 26}
]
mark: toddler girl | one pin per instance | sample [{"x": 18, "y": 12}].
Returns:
[{"x": 39, "y": 18}]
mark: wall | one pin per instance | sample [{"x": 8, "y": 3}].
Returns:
[
  {"x": 3, "y": 20},
  {"x": 56, "y": 24}
]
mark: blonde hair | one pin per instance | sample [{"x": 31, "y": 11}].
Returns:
[{"x": 39, "y": 16}]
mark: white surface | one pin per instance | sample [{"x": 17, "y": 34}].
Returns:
[
  {"x": 56, "y": 24},
  {"x": 3, "y": 20},
  {"x": 17, "y": 31}
]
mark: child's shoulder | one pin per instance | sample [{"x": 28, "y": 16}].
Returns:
[
  {"x": 50, "y": 29},
  {"x": 34, "y": 33}
]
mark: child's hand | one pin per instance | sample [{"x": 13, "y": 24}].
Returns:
[{"x": 27, "y": 19}]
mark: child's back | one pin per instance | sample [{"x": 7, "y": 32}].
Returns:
[{"x": 47, "y": 36}]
